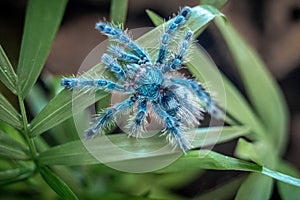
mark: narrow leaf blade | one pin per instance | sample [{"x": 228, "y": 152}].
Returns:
[
  {"x": 41, "y": 23},
  {"x": 285, "y": 190},
  {"x": 281, "y": 177},
  {"x": 12, "y": 149},
  {"x": 61, "y": 188},
  {"x": 215, "y": 135},
  {"x": 205, "y": 159},
  {"x": 118, "y": 11},
  {"x": 155, "y": 18},
  {"x": 59, "y": 109},
  {"x": 14, "y": 175},
  {"x": 9, "y": 114},
  {"x": 256, "y": 186},
  {"x": 7, "y": 74},
  {"x": 215, "y": 3},
  {"x": 261, "y": 88},
  {"x": 74, "y": 153}
]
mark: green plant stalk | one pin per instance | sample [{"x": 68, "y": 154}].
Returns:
[{"x": 29, "y": 140}]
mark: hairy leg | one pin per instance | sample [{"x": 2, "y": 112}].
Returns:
[
  {"x": 86, "y": 83},
  {"x": 172, "y": 126},
  {"x": 137, "y": 125},
  {"x": 177, "y": 103},
  {"x": 179, "y": 20},
  {"x": 108, "y": 116},
  {"x": 113, "y": 66},
  {"x": 121, "y": 37},
  {"x": 177, "y": 61},
  {"x": 121, "y": 55},
  {"x": 211, "y": 106}
]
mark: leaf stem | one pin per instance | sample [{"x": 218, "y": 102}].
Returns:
[{"x": 29, "y": 140}]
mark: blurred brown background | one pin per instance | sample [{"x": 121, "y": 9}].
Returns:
[{"x": 272, "y": 27}]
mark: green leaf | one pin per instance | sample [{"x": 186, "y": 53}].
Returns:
[
  {"x": 71, "y": 153},
  {"x": 281, "y": 177},
  {"x": 261, "y": 88},
  {"x": 285, "y": 190},
  {"x": 258, "y": 151},
  {"x": 256, "y": 186},
  {"x": 7, "y": 74},
  {"x": 155, "y": 18},
  {"x": 215, "y": 135},
  {"x": 9, "y": 114},
  {"x": 57, "y": 184},
  {"x": 118, "y": 11},
  {"x": 14, "y": 175},
  {"x": 60, "y": 108},
  {"x": 12, "y": 149},
  {"x": 74, "y": 153},
  {"x": 224, "y": 191},
  {"x": 215, "y": 3},
  {"x": 41, "y": 23},
  {"x": 206, "y": 159}
]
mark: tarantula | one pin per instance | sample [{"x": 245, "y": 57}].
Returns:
[{"x": 179, "y": 102}]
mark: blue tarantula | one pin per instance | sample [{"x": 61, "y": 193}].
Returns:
[{"x": 177, "y": 101}]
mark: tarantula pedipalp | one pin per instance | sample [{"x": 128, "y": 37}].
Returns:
[{"x": 175, "y": 99}]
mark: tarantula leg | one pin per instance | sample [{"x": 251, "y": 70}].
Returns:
[
  {"x": 179, "y": 20},
  {"x": 71, "y": 83},
  {"x": 172, "y": 126},
  {"x": 121, "y": 37},
  {"x": 137, "y": 125},
  {"x": 121, "y": 55},
  {"x": 113, "y": 66},
  {"x": 203, "y": 95},
  {"x": 109, "y": 116},
  {"x": 177, "y": 61}
]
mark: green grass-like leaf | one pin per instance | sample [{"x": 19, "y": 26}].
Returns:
[
  {"x": 261, "y": 88},
  {"x": 57, "y": 184},
  {"x": 74, "y": 153},
  {"x": 60, "y": 108},
  {"x": 155, "y": 18},
  {"x": 256, "y": 186},
  {"x": 215, "y": 3},
  {"x": 14, "y": 175},
  {"x": 41, "y": 23},
  {"x": 118, "y": 11},
  {"x": 285, "y": 190},
  {"x": 215, "y": 135},
  {"x": 205, "y": 159},
  {"x": 12, "y": 149},
  {"x": 258, "y": 151},
  {"x": 223, "y": 191},
  {"x": 7, "y": 74},
  {"x": 9, "y": 114},
  {"x": 282, "y": 177}
]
